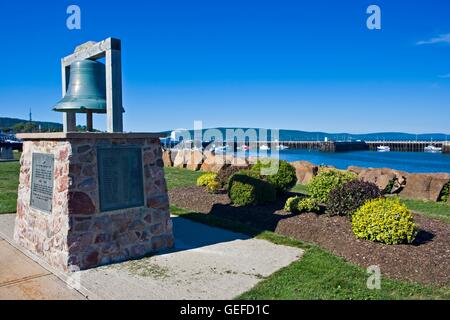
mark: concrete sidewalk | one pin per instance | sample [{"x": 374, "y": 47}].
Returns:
[
  {"x": 206, "y": 263},
  {"x": 22, "y": 278}
]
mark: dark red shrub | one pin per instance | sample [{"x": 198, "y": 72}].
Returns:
[{"x": 346, "y": 199}]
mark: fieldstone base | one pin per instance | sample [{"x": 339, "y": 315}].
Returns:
[{"x": 76, "y": 234}]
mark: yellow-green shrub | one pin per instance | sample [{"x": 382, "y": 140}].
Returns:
[
  {"x": 384, "y": 220},
  {"x": 206, "y": 178},
  {"x": 307, "y": 205},
  {"x": 213, "y": 186},
  {"x": 297, "y": 204},
  {"x": 291, "y": 204},
  {"x": 209, "y": 180}
]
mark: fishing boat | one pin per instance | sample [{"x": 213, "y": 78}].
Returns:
[
  {"x": 245, "y": 148},
  {"x": 431, "y": 148},
  {"x": 383, "y": 148}
]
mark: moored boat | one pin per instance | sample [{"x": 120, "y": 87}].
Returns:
[
  {"x": 432, "y": 148},
  {"x": 282, "y": 147},
  {"x": 383, "y": 148}
]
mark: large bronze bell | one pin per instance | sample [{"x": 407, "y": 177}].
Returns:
[{"x": 86, "y": 90}]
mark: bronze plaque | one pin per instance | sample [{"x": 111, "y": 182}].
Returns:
[
  {"x": 42, "y": 181},
  {"x": 120, "y": 177}
]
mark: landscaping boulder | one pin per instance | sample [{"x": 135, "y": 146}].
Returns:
[
  {"x": 236, "y": 161},
  {"x": 212, "y": 162},
  {"x": 194, "y": 160},
  {"x": 180, "y": 159},
  {"x": 425, "y": 186},
  {"x": 381, "y": 177},
  {"x": 356, "y": 169},
  {"x": 167, "y": 158},
  {"x": 400, "y": 181},
  {"x": 304, "y": 171}
]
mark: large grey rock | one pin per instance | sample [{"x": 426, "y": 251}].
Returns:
[{"x": 425, "y": 186}]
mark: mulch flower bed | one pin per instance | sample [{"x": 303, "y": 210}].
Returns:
[{"x": 426, "y": 261}]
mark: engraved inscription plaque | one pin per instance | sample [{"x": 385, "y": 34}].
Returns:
[
  {"x": 42, "y": 181},
  {"x": 120, "y": 177}
]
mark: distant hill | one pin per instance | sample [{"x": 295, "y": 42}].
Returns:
[
  {"x": 296, "y": 135},
  {"x": 21, "y": 125}
]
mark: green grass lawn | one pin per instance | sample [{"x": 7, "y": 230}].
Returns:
[
  {"x": 318, "y": 274},
  {"x": 437, "y": 210},
  {"x": 177, "y": 177},
  {"x": 9, "y": 180}
]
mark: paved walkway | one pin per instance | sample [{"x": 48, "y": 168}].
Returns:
[
  {"x": 206, "y": 263},
  {"x": 22, "y": 278}
]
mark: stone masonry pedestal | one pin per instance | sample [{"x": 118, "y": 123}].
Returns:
[{"x": 79, "y": 205}]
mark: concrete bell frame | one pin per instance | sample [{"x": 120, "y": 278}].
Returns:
[{"x": 111, "y": 50}]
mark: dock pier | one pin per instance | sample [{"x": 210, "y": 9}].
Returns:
[
  {"x": 333, "y": 146},
  {"x": 345, "y": 146}
]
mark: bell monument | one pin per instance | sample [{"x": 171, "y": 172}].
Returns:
[{"x": 91, "y": 198}]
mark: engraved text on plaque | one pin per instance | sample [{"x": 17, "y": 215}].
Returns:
[
  {"x": 120, "y": 177},
  {"x": 42, "y": 182}
]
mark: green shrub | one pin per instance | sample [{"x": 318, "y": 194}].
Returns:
[
  {"x": 321, "y": 185},
  {"x": 346, "y": 199},
  {"x": 384, "y": 220},
  {"x": 242, "y": 194},
  {"x": 445, "y": 193},
  {"x": 245, "y": 172},
  {"x": 307, "y": 205},
  {"x": 250, "y": 189},
  {"x": 284, "y": 177},
  {"x": 225, "y": 174},
  {"x": 291, "y": 204}
]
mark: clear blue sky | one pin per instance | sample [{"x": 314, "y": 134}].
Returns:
[{"x": 306, "y": 65}]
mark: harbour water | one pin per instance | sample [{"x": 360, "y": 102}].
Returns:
[{"x": 414, "y": 162}]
